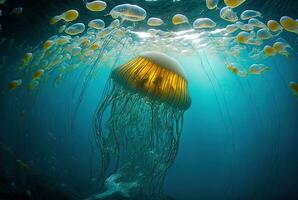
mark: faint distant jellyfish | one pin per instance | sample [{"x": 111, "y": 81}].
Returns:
[
  {"x": 228, "y": 14},
  {"x": 128, "y": 12},
  {"x": 294, "y": 87},
  {"x": 153, "y": 21},
  {"x": 203, "y": 23},
  {"x": 138, "y": 125}
]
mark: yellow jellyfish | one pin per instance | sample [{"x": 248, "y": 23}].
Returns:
[
  {"x": 274, "y": 26},
  {"x": 14, "y": 84},
  {"x": 231, "y": 28},
  {"x": 243, "y": 37},
  {"x": 47, "y": 44},
  {"x": 179, "y": 19},
  {"x": 248, "y": 14},
  {"x": 233, "y": 69},
  {"x": 153, "y": 21},
  {"x": 70, "y": 15},
  {"x": 95, "y": 46},
  {"x": 227, "y": 13},
  {"x": 258, "y": 69},
  {"x": 38, "y": 74},
  {"x": 294, "y": 87},
  {"x": 75, "y": 29},
  {"x": 128, "y": 12},
  {"x": 269, "y": 51},
  {"x": 281, "y": 48},
  {"x": 27, "y": 58},
  {"x": 55, "y": 19},
  {"x": 289, "y": 24},
  {"x": 97, "y": 24},
  {"x": 96, "y": 6},
  {"x": 234, "y": 3},
  {"x": 204, "y": 23},
  {"x": 144, "y": 101},
  {"x": 211, "y": 4}
]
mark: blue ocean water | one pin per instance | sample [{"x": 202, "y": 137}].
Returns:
[{"x": 239, "y": 138}]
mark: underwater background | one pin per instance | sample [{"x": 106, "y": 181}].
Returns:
[{"x": 239, "y": 137}]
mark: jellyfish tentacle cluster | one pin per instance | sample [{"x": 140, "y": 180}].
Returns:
[{"x": 138, "y": 125}]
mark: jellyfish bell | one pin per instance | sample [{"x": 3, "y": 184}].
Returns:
[
  {"x": 128, "y": 12},
  {"x": 142, "y": 105}
]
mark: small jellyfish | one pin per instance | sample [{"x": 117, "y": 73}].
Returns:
[
  {"x": 76, "y": 51},
  {"x": 75, "y": 29},
  {"x": 234, "y": 68},
  {"x": 128, "y": 12},
  {"x": 258, "y": 69},
  {"x": 62, "y": 28},
  {"x": 234, "y": 3},
  {"x": 70, "y": 15},
  {"x": 95, "y": 46},
  {"x": 27, "y": 58},
  {"x": 281, "y": 48},
  {"x": 228, "y": 14},
  {"x": 256, "y": 23},
  {"x": 204, "y": 23},
  {"x": 47, "y": 44},
  {"x": 96, "y": 6},
  {"x": 153, "y": 21},
  {"x": 294, "y": 88},
  {"x": 289, "y": 24},
  {"x": 269, "y": 51},
  {"x": 14, "y": 84},
  {"x": 16, "y": 11},
  {"x": 248, "y": 14},
  {"x": 115, "y": 23},
  {"x": 274, "y": 26},
  {"x": 38, "y": 74},
  {"x": 244, "y": 27},
  {"x": 211, "y": 4},
  {"x": 179, "y": 19},
  {"x": 97, "y": 24},
  {"x": 33, "y": 84},
  {"x": 55, "y": 19},
  {"x": 243, "y": 37},
  {"x": 231, "y": 28},
  {"x": 264, "y": 34}
]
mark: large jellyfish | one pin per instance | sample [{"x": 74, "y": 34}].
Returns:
[{"x": 138, "y": 125}]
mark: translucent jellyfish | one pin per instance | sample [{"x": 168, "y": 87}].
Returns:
[
  {"x": 75, "y": 29},
  {"x": 289, "y": 24},
  {"x": 128, "y": 12},
  {"x": 70, "y": 15},
  {"x": 231, "y": 28},
  {"x": 115, "y": 23},
  {"x": 211, "y": 4},
  {"x": 27, "y": 58},
  {"x": 256, "y": 23},
  {"x": 244, "y": 27},
  {"x": 234, "y": 3},
  {"x": 55, "y": 19},
  {"x": 269, "y": 51},
  {"x": 14, "y": 84},
  {"x": 294, "y": 88},
  {"x": 38, "y": 74},
  {"x": 97, "y": 24},
  {"x": 33, "y": 84},
  {"x": 248, "y": 14},
  {"x": 76, "y": 51},
  {"x": 62, "y": 40},
  {"x": 274, "y": 26},
  {"x": 204, "y": 23},
  {"x": 153, "y": 21},
  {"x": 96, "y": 6},
  {"x": 243, "y": 37},
  {"x": 143, "y": 103},
  {"x": 235, "y": 69},
  {"x": 227, "y": 13},
  {"x": 258, "y": 69},
  {"x": 264, "y": 34},
  {"x": 62, "y": 28},
  {"x": 179, "y": 19},
  {"x": 17, "y": 11},
  {"x": 281, "y": 48}
]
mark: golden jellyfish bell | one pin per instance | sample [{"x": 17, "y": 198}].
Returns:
[
  {"x": 70, "y": 15},
  {"x": 156, "y": 76},
  {"x": 179, "y": 19},
  {"x": 234, "y": 3},
  {"x": 96, "y": 6}
]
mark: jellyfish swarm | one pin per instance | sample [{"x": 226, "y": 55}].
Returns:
[{"x": 142, "y": 107}]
